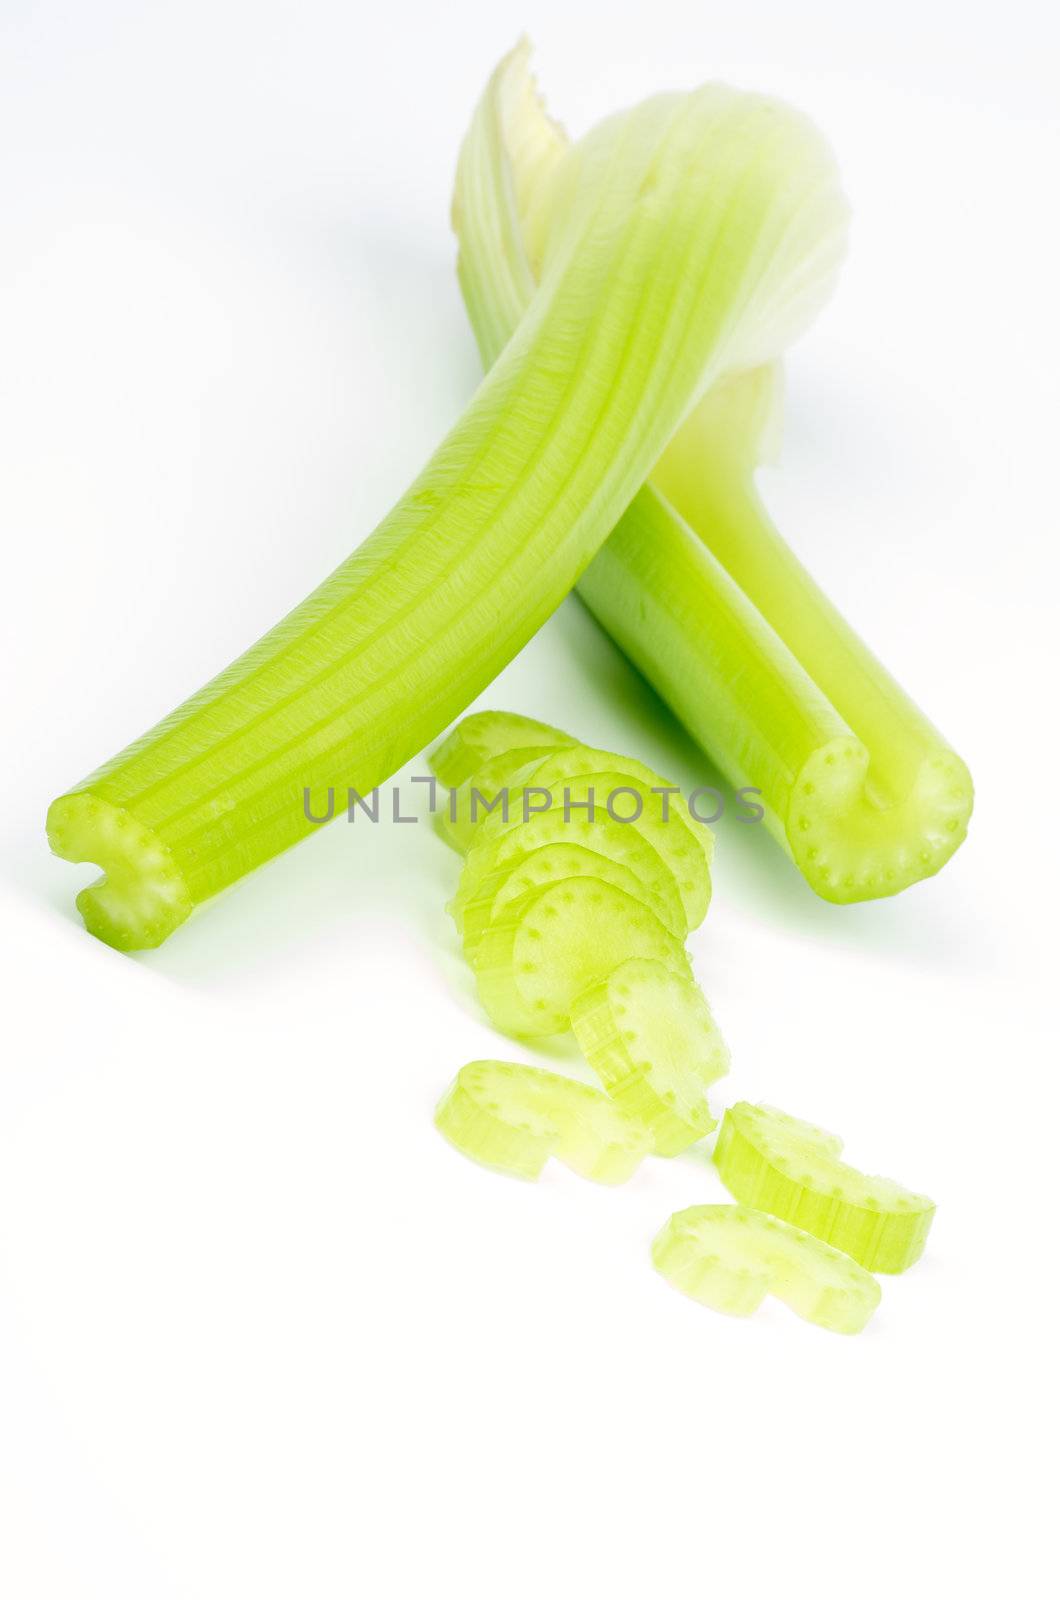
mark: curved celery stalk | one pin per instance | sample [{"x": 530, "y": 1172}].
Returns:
[
  {"x": 543, "y": 950},
  {"x": 513, "y": 1118},
  {"x": 648, "y": 1034},
  {"x": 730, "y": 1258},
  {"x": 792, "y": 1170},
  {"x": 659, "y": 276},
  {"x": 485, "y": 735},
  {"x": 696, "y": 586}
]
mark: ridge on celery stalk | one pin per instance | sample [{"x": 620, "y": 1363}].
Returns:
[
  {"x": 659, "y": 275},
  {"x": 695, "y": 584}
]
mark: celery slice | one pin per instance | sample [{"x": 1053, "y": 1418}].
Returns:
[
  {"x": 731, "y": 1257},
  {"x": 478, "y": 738},
  {"x": 533, "y": 870},
  {"x": 542, "y": 951},
  {"x": 617, "y": 841},
  {"x": 658, "y": 275},
  {"x": 697, "y": 587},
  {"x": 470, "y": 804},
  {"x": 623, "y": 788},
  {"x": 648, "y": 1034},
  {"x": 513, "y": 1117},
  {"x": 792, "y": 1170}
]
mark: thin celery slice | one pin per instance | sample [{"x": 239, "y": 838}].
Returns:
[
  {"x": 617, "y": 841},
  {"x": 470, "y": 804},
  {"x": 513, "y": 1118},
  {"x": 478, "y": 738},
  {"x": 533, "y": 870},
  {"x": 648, "y": 1034},
  {"x": 622, "y": 787},
  {"x": 696, "y": 586},
  {"x": 542, "y": 951},
  {"x": 658, "y": 277},
  {"x": 731, "y": 1257},
  {"x": 793, "y": 1170}
]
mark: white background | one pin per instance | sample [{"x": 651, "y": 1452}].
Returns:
[{"x": 262, "y": 1332}]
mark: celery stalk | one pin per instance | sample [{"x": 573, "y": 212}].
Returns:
[
  {"x": 661, "y": 272},
  {"x": 695, "y": 584}
]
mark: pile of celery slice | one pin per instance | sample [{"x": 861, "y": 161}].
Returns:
[
  {"x": 632, "y": 294},
  {"x": 588, "y": 935}
]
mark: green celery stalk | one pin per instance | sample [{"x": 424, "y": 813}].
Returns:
[
  {"x": 661, "y": 269},
  {"x": 695, "y": 584}
]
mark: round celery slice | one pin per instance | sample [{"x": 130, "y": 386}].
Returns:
[
  {"x": 490, "y": 785},
  {"x": 485, "y": 734},
  {"x": 793, "y": 1170},
  {"x": 648, "y": 1034},
  {"x": 616, "y": 840},
  {"x": 518, "y": 876},
  {"x": 542, "y": 951},
  {"x": 577, "y": 775},
  {"x": 513, "y": 1117},
  {"x": 731, "y": 1257}
]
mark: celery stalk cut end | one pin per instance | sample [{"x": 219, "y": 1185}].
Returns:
[
  {"x": 850, "y": 845},
  {"x": 141, "y": 896}
]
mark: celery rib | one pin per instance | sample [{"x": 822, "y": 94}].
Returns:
[
  {"x": 639, "y": 308},
  {"x": 697, "y": 587}
]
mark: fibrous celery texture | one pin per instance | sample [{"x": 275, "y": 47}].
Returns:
[
  {"x": 695, "y": 584},
  {"x": 680, "y": 237},
  {"x": 731, "y": 1257},
  {"x": 793, "y": 1170},
  {"x": 513, "y": 1118}
]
